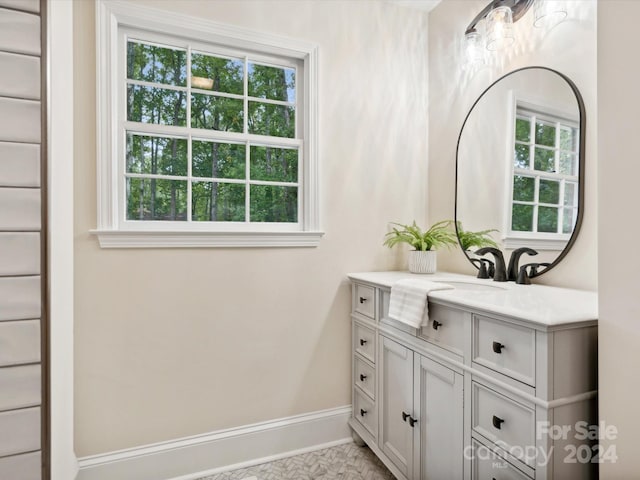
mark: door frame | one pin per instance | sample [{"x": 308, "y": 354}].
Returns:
[{"x": 59, "y": 54}]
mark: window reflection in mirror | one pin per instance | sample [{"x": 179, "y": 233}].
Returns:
[{"x": 543, "y": 203}]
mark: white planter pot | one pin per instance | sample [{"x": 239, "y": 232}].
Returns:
[{"x": 422, "y": 262}]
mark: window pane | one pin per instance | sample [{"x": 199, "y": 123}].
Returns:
[
  {"x": 570, "y": 194},
  {"x": 218, "y": 160},
  {"x": 156, "y": 105},
  {"x": 156, "y": 64},
  {"x": 547, "y": 219},
  {"x": 275, "y": 164},
  {"x": 156, "y": 155},
  {"x": 522, "y": 218},
  {"x": 545, "y": 134},
  {"x": 218, "y": 202},
  {"x": 270, "y": 203},
  {"x": 568, "y": 163},
  {"x": 273, "y": 120},
  {"x": 273, "y": 83},
  {"x": 545, "y": 160},
  {"x": 523, "y": 188},
  {"x": 568, "y": 139},
  {"x": 522, "y": 156},
  {"x": 151, "y": 199},
  {"x": 569, "y": 219},
  {"x": 523, "y": 130},
  {"x": 549, "y": 191},
  {"x": 217, "y": 74},
  {"x": 216, "y": 113}
]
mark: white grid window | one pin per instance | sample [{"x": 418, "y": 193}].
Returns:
[
  {"x": 544, "y": 187},
  {"x": 209, "y": 133}
]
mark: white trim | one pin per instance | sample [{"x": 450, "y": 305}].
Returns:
[
  {"x": 195, "y": 239},
  {"x": 200, "y": 455},
  {"x": 60, "y": 235},
  {"x": 112, "y": 16},
  {"x": 555, "y": 244}
]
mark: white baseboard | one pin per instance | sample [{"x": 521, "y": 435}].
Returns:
[{"x": 201, "y": 455}]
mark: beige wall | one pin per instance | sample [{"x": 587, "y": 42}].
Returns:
[
  {"x": 569, "y": 48},
  {"x": 177, "y": 342},
  {"x": 619, "y": 261}
]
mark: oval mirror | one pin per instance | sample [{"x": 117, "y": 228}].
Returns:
[{"x": 520, "y": 167}]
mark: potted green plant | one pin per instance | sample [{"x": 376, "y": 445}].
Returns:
[
  {"x": 479, "y": 239},
  {"x": 422, "y": 259}
]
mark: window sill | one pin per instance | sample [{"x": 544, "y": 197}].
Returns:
[
  {"x": 552, "y": 244},
  {"x": 173, "y": 239}
]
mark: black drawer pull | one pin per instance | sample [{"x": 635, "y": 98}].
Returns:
[
  {"x": 363, "y": 377},
  {"x": 362, "y": 299},
  {"x": 363, "y": 412},
  {"x": 362, "y": 342},
  {"x": 497, "y": 422},
  {"x": 436, "y": 324},
  {"x": 497, "y": 347},
  {"x": 412, "y": 421},
  {"x": 405, "y": 416}
]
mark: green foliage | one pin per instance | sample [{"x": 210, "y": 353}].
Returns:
[
  {"x": 475, "y": 239},
  {"x": 439, "y": 235},
  {"x": 217, "y": 166}
]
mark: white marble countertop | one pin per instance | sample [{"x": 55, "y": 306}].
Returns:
[{"x": 541, "y": 304}]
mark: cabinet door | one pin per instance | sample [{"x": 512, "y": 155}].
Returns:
[
  {"x": 396, "y": 395},
  {"x": 439, "y": 405}
]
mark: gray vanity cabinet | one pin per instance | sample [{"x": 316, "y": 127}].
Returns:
[
  {"x": 420, "y": 413},
  {"x": 472, "y": 394},
  {"x": 23, "y": 411}
]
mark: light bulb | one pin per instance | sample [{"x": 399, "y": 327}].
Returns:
[
  {"x": 499, "y": 28},
  {"x": 474, "y": 52}
]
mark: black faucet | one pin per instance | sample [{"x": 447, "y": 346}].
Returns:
[
  {"x": 500, "y": 274},
  {"x": 482, "y": 267},
  {"x": 512, "y": 271},
  {"x": 524, "y": 277}
]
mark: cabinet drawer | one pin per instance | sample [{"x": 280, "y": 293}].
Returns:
[
  {"x": 24, "y": 426},
  {"x": 364, "y": 376},
  {"x": 364, "y": 300},
  {"x": 504, "y": 422},
  {"x": 364, "y": 410},
  {"x": 19, "y": 342},
  {"x": 506, "y": 348},
  {"x": 445, "y": 328},
  {"x": 21, "y": 467},
  {"x": 20, "y": 387},
  {"x": 364, "y": 341},
  {"x": 486, "y": 465}
]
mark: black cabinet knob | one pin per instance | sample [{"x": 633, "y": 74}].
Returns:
[
  {"x": 405, "y": 416},
  {"x": 363, "y": 412},
  {"x": 362, "y": 342},
  {"x": 362, "y": 299},
  {"x": 412, "y": 421},
  {"x": 363, "y": 377},
  {"x": 436, "y": 324},
  {"x": 497, "y": 422},
  {"x": 497, "y": 347}
]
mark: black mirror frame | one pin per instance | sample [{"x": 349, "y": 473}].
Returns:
[{"x": 581, "y": 162}]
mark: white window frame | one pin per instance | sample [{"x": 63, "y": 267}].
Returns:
[
  {"x": 537, "y": 240},
  {"x": 116, "y": 19}
]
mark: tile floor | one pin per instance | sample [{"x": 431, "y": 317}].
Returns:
[{"x": 344, "y": 462}]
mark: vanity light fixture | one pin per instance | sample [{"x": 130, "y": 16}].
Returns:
[
  {"x": 499, "y": 28},
  {"x": 548, "y": 13},
  {"x": 499, "y": 17}
]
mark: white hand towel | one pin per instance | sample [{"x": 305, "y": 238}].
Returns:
[{"x": 408, "y": 302}]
